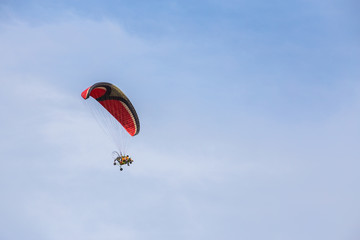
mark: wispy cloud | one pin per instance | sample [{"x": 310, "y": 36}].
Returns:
[{"x": 236, "y": 133}]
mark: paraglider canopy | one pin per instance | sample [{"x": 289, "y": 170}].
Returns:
[{"x": 116, "y": 103}]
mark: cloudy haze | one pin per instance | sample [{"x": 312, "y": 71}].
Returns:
[{"x": 249, "y": 114}]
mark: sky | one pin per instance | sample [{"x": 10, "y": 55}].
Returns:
[{"x": 249, "y": 114}]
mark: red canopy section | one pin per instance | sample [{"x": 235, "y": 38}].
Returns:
[{"x": 116, "y": 103}]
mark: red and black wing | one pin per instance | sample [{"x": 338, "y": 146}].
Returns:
[{"x": 116, "y": 103}]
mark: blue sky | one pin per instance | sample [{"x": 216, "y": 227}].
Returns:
[{"x": 249, "y": 115}]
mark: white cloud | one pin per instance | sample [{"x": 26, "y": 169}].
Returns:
[{"x": 189, "y": 173}]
